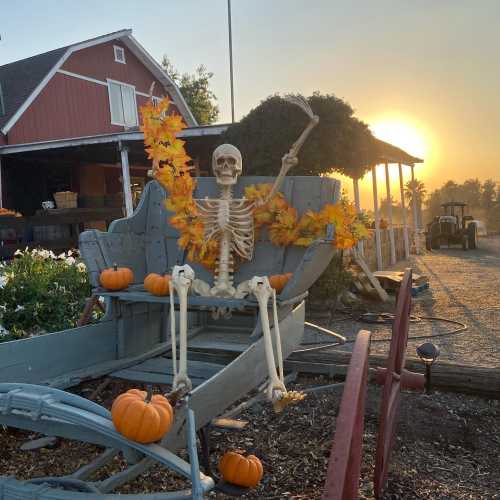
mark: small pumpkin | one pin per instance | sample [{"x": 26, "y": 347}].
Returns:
[
  {"x": 240, "y": 470},
  {"x": 116, "y": 278},
  {"x": 142, "y": 417},
  {"x": 279, "y": 281},
  {"x": 157, "y": 284}
]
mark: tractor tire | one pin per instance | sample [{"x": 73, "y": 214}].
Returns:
[
  {"x": 472, "y": 236},
  {"x": 465, "y": 242}
]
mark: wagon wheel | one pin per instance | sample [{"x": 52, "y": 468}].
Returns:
[
  {"x": 392, "y": 386},
  {"x": 344, "y": 466}
]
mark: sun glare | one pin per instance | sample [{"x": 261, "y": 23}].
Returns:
[{"x": 402, "y": 134}]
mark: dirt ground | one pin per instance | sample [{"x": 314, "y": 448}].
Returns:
[
  {"x": 464, "y": 287},
  {"x": 447, "y": 448}
]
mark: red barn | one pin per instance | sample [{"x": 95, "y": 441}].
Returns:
[{"x": 69, "y": 121}]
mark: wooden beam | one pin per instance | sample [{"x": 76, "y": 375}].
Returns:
[
  {"x": 378, "y": 244},
  {"x": 1, "y": 184},
  {"x": 403, "y": 211},
  {"x": 480, "y": 381},
  {"x": 415, "y": 213},
  {"x": 357, "y": 203},
  {"x": 389, "y": 214}
]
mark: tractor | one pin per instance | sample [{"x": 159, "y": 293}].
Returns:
[{"x": 452, "y": 228}]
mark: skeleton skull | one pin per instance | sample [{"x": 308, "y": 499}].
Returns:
[{"x": 227, "y": 164}]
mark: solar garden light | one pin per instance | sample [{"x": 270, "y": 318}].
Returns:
[{"x": 428, "y": 353}]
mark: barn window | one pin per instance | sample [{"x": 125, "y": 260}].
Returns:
[
  {"x": 119, "y": 54},
  {"x": 122, "y": 104}
]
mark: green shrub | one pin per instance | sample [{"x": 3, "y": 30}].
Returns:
[
  {"x": 335, "y": 280},
  {"x": 41, "y": 292}
]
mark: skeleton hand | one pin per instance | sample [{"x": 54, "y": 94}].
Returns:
[{"x": 289, "y": 161}]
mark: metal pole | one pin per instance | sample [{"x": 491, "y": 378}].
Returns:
[
  {"x": 357, "y": 204},
  {"x": 127, "y": 190},
  {"x": 389, "y": 214},
  {"x": 1, "y": 184},
  {"x": 230, "y": 58},
  {"x": 377, "y": 219},
  {"x": 414, "y": 207},
  {"x": 403, "y": 210}
]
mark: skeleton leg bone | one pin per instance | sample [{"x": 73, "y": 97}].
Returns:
[
  {"x": 262, "y": 290},
  {"x": 182, "y": 278}
]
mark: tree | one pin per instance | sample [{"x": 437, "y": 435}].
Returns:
[
  {"x": 489, "y": 194},
  {"x": 420, "y": 192},
  {"x": 196, "y": 91},
  {"x": 339, "y": 143}
]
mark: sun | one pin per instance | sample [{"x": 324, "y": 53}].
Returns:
[{"x": 402, "y": 133}]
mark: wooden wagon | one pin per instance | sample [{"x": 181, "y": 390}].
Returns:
[{"x": 226, "y": 358}]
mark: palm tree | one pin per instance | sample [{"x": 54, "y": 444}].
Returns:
[{"x": 420, "y": 193}]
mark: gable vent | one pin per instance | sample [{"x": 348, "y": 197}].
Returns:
[{"x": 119, "y": 54}]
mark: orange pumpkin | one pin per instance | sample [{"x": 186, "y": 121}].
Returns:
[
  {"x": 278, "y": 281},
  {"x": 142, "y": 417},
  {"x": 116, "y": 278},
  {"x": 157, "y": 284},
  {"x": 240, "y": 470}
]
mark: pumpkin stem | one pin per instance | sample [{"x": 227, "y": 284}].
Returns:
[
  {"x": 149, "y": 395},
  {"x": 115, "y": 266}
]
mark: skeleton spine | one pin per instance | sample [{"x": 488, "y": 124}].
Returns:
[{"x": 225, "y": 265}]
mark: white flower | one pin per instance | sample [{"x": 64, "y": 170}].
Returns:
[
  {"x": 18, "y": 252},
  {"x": 70, "y": 261},
  {"x": 81, "y": 267},
  {"x": 19, "y": 308},
  {"x": 70, "y": 252},
  {"x": 3, "y": 331},
  {"x": 61, "y": 256},
  {"x": 3, "y": 280}
]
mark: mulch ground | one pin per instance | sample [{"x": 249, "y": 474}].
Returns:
[{"x": 447, "y": 447}]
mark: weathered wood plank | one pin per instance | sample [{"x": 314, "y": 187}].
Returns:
[
  {"x": 449, "y": 376},
  {"x": 163, "y": 365}
]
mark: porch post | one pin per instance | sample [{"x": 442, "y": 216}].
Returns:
[
  {"x": 377, "y": 219},
  {"x": 127, "y": 191},
  {"x": 403, "y": 210},
  {"x": 414, "y": 207},
  {"x": 1, "y": 184},
  {"x": 389, "y": 214},
  {"x": 357, "y": 204}
]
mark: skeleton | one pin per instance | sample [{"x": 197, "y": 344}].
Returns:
[{"x": 230, "y": 221}]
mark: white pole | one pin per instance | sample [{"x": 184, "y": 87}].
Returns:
[
  {"x": 1, "y": 185},
  {"x": 357, "y": 204},
  {"x": 377, "y": 219},
  {"x": 127, "y": 190},
  {"x": 414, "y": 207},
  {"x": 403, "y": 211},
  {"x": 389, "y": 214},
  {"x": 230, "y": 57}
]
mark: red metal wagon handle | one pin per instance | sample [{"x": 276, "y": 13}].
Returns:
[
  {"x": 394, "y": 378},
  {"x": 342, "y": 479}
]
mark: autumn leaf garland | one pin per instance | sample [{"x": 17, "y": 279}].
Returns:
[{"x": 171, "y": 169}]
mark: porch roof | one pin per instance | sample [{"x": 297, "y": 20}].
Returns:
[{"x": 130, "y": 136}]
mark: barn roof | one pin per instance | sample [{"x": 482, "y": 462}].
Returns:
[
  {"x": 20, "y": 78},
  {"x": 21, "y": 81}
]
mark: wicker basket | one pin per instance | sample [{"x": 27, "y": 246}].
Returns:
[{"x": 66, "y": 199}]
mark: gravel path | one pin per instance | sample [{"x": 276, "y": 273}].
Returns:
[{"x": 465, "y": 287}]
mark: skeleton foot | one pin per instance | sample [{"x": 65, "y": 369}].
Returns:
[{"x": 182, "y": 278}]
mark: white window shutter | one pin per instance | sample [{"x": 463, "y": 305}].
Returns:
[
  {"x": 115, "y": 103},
  {"x": 129, "y": 106}
]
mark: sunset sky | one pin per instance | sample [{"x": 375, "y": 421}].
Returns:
[{"x": 423, "y": 74}]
